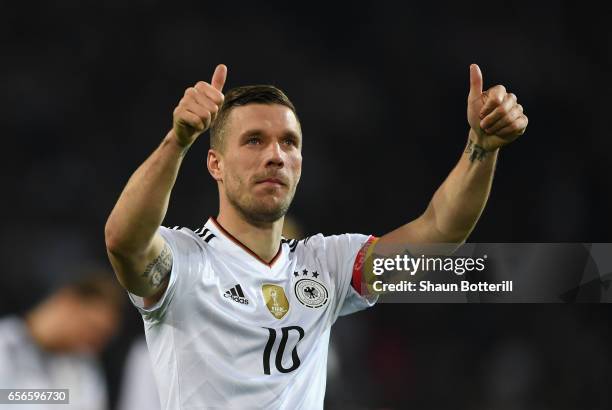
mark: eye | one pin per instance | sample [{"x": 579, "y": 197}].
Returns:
[
  {"x": 289, "y": 141},
  {"x": 253, "y": 140}
]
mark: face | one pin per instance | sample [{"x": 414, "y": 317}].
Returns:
[
  {"x": 92, "y": 323},
  {"x": 261, "y": 161}
]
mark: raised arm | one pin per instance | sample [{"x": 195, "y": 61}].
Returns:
[
  {"x": 495, "y": 119},
  {"x": 139, "y": 255}
]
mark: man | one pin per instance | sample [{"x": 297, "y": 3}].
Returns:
[
  {"x": 235, "y": 316},
  {"x": 54, "y": 345}
]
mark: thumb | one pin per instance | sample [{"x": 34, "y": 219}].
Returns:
[
  {"x": 219, "y": 76},
  {"x": 475, "y": 81}
]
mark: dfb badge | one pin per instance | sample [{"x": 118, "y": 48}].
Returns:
[{"x": 311, "y": 293}]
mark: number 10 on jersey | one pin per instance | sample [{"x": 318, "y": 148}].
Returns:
[{"x": 281, "y": 349}]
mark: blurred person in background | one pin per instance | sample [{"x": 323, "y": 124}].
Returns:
[{"x": 56, "y": 343}]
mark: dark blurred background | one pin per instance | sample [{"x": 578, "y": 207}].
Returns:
[{"x": 88, "y": 91}]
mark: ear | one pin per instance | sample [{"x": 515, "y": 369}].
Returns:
[{"x": 214, "y": 162}]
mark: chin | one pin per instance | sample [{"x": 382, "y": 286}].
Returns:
[
  {"x": 262, "y": 208},
  {"x": 267, "y": 212},
  {"x": 271, "y": 214}
]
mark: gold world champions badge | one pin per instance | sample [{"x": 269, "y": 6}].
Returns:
[{"x": 276, "y": 301}]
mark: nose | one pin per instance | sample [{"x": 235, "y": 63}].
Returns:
[{"x": 274, "y": 155}]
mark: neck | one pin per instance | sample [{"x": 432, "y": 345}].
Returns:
[{"x": 262, "y": 239}]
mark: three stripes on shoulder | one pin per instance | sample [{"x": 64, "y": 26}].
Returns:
[
  {"x": 293, "y": 243},
  {"x": 203, "y": 233}
]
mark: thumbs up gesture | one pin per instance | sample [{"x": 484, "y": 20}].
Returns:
[
  {"x": 198, "y": 108},
  {"x": 494, "y": 115}
]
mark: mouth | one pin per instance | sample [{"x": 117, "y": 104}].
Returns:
[{"x": 271, "y": 181}]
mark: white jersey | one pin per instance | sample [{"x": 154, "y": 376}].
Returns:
[
  {"x": 138, "y": 388},
  {"x": 232, "y": 331}
]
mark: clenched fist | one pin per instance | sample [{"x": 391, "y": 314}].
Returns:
[
  {"x": 494, "y": 115},
  {"x": 198, "y": 108}
]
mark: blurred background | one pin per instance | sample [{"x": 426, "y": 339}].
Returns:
[{"x": 88, "y": 90}]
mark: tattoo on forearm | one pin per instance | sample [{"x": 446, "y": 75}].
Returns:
[
  {"x": 159, "y": 268},
  {"x": 476, "y": 151}
]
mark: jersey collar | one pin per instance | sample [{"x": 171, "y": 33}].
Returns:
[{"x": 221, "y": 230}]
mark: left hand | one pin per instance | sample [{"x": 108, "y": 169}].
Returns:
[{"x": 495, "y": 117}]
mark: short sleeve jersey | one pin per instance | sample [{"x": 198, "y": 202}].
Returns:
[{"x": 232, "y": 331}]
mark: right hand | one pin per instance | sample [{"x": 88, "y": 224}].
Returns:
[{"x": 198, "y": 108}]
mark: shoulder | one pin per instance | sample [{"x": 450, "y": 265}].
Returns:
[
  {"x": 12, "y": 331},
  {"x": 16, "y": 345},
  {"x": 184, "y": 237},
  {"x": 320, "y": 243},
  {"x": 307, "y": 244}
]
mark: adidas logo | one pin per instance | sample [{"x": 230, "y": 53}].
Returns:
[{"x": 236, "y": 295}]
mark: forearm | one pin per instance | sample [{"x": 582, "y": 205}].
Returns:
[
  {"x": 142, "y": 206},
  {"x": 460, "y": 200},
  {"x": 495, "y": 120}
]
